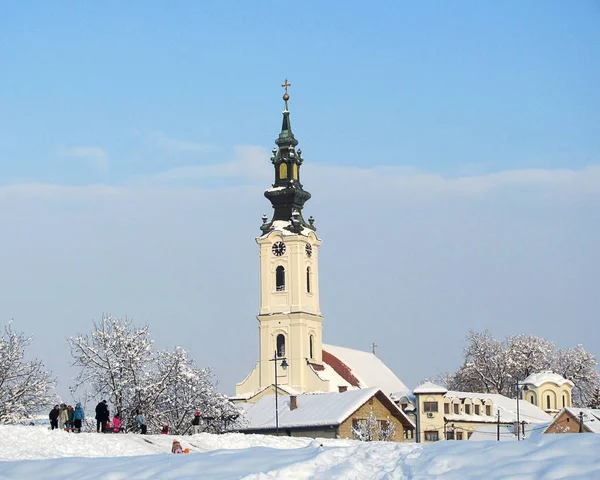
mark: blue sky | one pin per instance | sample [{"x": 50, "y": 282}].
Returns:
[
  {"x": 134, "y": 142},
  {"x": 436, "y": 86}
]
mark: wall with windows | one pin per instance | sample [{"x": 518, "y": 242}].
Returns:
[{"x": 452, "y": 418}]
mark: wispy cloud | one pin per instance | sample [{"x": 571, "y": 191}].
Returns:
[
  {"x": 159, "y": 140},
  {"x": 248, "y": 165},
  {"x": 94, "y": 156}
]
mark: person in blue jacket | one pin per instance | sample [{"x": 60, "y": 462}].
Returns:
[
  {"x": 141, "y": 421},
  {"x": 78, "y": 417}
]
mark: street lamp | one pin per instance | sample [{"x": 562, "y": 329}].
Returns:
[{"x": 284, "y": 365}]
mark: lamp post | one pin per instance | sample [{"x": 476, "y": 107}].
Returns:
[{"x": 284, "y": 365}]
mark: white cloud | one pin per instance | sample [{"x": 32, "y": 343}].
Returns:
[
  {"x": 159, "y": 140},
  {"x": 95, "y": 156},
  {"x": 251, "y": 166}
]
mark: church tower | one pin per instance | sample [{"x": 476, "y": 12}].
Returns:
[{"x": 289, "y": 320}]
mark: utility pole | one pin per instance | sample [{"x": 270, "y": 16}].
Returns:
[
  {"x": 518, "y": 416},
  {"x": 498, "y": 427}
]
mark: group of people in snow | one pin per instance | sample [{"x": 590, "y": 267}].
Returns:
[
  {"x": 66, "y": 417},
  {"x": 70, "y": 419}
]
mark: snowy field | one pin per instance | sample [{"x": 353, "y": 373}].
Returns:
[{"x": 37, "y": 453}]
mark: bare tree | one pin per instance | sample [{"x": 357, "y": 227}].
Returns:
[
  {"x": 372, "y": 429},
  {"x": 25, "y": 386}
]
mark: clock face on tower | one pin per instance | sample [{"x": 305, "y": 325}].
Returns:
[
  {"x": 278, "y": 249},
  {"x": 308, "y": 249}
]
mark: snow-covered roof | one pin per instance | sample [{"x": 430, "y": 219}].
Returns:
[
  {"x": 429, "y": 387},
  {"x": 313, "y": 409},
  {"x": 538, "y": 379},
  {"x": 507, "y": 407},
  {"x": 591, "y": 417},
  {"x": 335, "y": 379},
  {"x": 361, "y": 369},
  {"x": 281, "y": 227}
]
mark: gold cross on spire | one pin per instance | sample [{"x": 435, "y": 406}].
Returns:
[{"x": 285, "y": 85}]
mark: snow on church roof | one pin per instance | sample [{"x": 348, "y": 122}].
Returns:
[
  {"x": 358, "y": 369},
  {"x": 315, "y": 409},
  {"x": 537, "y": 379}
]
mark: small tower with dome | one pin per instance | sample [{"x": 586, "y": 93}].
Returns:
[{"x": 548, "y": 390}]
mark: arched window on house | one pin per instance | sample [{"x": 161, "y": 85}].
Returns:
[
  {"x": 547, "y": 402},
  {"x": 281, "y": 345},
  {"x": 307, "y": 279},
  {"x": 280, "y": 279},
  {"x": 311, "y": 342}
]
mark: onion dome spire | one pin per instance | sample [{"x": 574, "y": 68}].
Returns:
[{"x": 287, "y": 195}]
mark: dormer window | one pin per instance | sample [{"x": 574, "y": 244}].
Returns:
[{"x": 280, "y": 279}]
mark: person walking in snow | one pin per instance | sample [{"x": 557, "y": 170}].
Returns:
[
  {"x": 78, "y": 417},
  {"x": 101, "y": 416},
  {"x": 141, "y": 421},
  {"x": 53, "y": 415},
  {"x": 196, "y": 423},
  {"x": 63, "y": 416},
  {"x": 70, "y": 412}
]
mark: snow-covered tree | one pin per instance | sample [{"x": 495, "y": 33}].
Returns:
[
  {"x": 485, "y": 368},
  {"x": 579, "y": 366},
  {"x": 527, "y": 354},
  {"x": 594, "y": 401},
  {"x": 25, "y": 386},
  {"x": 181, "y": 388},
  {"x": 494, "y": 366},
  {"x": 372, "y": 429},
  {"x": 119, "y": 363},
  {"x": 114, "y": 362}
]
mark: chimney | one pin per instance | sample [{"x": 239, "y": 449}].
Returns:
[
  {"x": 293, "y": 402},
  {"x": 342, "y": 388}
]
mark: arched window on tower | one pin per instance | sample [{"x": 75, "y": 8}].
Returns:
[
  {"x": 307, "y": 279},
  {"x": 564, "y": 401},
  {"x": 311, "y": 343},
  {"x": 283, "y": 171},
  {"x": 548, "y": 402},
  {"x": 280, "y": 278},
  {"x": 280, "y": 345}
]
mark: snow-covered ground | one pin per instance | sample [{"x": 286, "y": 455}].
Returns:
[{"x": 37, "y": 453}]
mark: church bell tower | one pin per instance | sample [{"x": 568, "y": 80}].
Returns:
[{"x": 289, "y": 319}]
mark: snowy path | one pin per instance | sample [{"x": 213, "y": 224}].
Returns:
[{"x": 60, "y": 455}]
